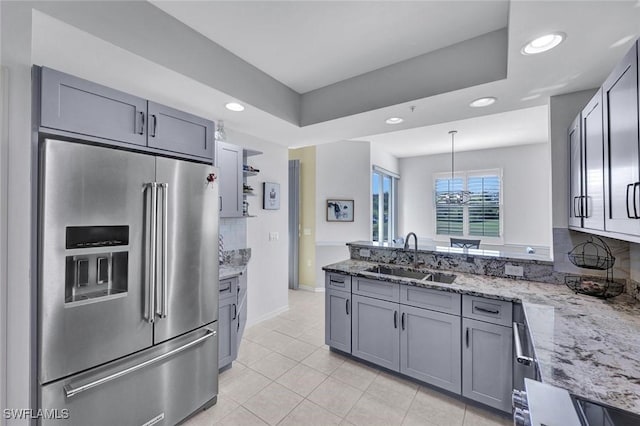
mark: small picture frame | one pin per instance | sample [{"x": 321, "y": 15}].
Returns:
[
  {"x": 339, "y": 210},
  {"x": 271, "y": 196}
]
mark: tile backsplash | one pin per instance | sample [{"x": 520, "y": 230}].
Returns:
[{"x": 234, "y": 233}]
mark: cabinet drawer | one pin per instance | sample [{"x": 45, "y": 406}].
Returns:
[
  {"x": 384, "y": 290},
  {"x": 338, "y": 281},
  {"x": 436, "y": 300},
  {"x": 228, "y": 288},
  {"x": 487, "y": 310}
]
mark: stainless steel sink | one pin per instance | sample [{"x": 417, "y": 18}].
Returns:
[{"x": 416, "y": 275}]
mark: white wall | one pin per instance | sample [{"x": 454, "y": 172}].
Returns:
[
  {"x": 343, "y": 171},
  {"x": 526, "y": 189},
  {"x": 382, "y": 158},
  {"x": 268, "y": 269}
]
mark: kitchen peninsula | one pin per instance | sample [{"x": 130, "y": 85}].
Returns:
[{"x": 583, "y": 344}]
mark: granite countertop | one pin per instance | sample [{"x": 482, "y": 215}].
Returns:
[
  {"x": 586, "y": 345},
  {"x": 228, "y": 271}
]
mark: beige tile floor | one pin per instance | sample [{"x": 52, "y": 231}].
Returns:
[{"x": 285, "y": 375}]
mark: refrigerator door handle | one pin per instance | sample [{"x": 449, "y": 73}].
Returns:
[
  {"x": 71, "y": 391},
  {"x": 151, "y": 258},
  {"x": 165, "y": 220}
]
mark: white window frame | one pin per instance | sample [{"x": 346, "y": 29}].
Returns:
[
  {"x": 465, "y": 175},
  {"x": 393, "y": 203}
]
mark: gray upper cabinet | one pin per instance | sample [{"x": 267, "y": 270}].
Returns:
[
  {"x": 79, "y": 106},
  {"x": 593, "y": 164},
  {"x": 575, "y": 174},
  {"x": 375, "y": 335},
  {"x": 338, "y": 319},
  {"x": 229, "y": 162},
  {"x": 622, "y": 181},
  {"x": 430, "y": 347},
  {"x": 487, "y": 374},
  {"x": 177, "y": 131}
]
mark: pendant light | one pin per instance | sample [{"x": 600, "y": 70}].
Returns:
[{"x": 451, "y": 196}]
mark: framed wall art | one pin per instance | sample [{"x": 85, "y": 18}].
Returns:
[{"x": 339, "y": 210}]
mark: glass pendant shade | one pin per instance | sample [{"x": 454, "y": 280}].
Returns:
[{"x": 453, "y": 197}]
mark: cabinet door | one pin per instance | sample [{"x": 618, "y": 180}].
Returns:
[
  {"x": 241, "y": 322},
  {"x": 575, "y": 174},
  {"x": 338, "y": 319},
  {"x": 79, "y": 106},
  {"x": 487, "y": 363},
  {"x": 227, "y": 330},
  {"x": 376, "y": 332},
  {"x": 430, "y": 347},
  {"x": 229, "y": 161},
  {"x": 593, "y": 179},
  {"x": 620, "y": 104},
  {"x": 177, "y": 131}
]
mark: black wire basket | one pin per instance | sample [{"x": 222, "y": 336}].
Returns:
[{"x": 594, "y": 254}]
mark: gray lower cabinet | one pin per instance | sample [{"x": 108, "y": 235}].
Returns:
[
  {"x": 177, "y": 131},
  {"x": 338, "y": 319},
  {"x": 430, "y": 347},
  {"x": 375, "y": 335},
  {"x": 229, "y": 162},
  {"x": 487, "y": 363},
  {"x": 227, "y": 331},
  {"x": 232, "y": 318},
  {"x": 79, "y": 106}
]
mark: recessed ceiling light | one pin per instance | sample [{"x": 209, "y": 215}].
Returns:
[
  {"x": 543, "y": 43},
  {"x": 394, "y": 120},
  {"x": 482, "y": 102},
  {"x": 234, "y": 106}
]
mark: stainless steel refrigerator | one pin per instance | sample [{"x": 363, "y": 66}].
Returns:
[{"x": 128, "y": 286}]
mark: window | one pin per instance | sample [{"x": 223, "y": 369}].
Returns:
[
  {"x": 383, "y": 204},
  {"x": 481, "y": 216}
]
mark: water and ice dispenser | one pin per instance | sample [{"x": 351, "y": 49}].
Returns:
[{"x": 96, "y": 263}]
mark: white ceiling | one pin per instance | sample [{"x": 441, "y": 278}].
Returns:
[
  {"x": 519, "y": 127},
  {"x": 311, "y": 44},
  {"x": 581, "y": 62}
]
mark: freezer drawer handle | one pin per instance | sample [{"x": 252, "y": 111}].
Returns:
[
  {"x": 71, "y": 391},
  {"x": 525, "y": 360}
]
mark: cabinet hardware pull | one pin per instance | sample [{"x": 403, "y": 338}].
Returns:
[
  {"x": 634, "y": 202},
  {"x": 235, "y": 311},
  {"x": 402, "y": 320},
  {"x": 524, "y": 360},
  {"x": 347, "y": 306},
  {"x": 155, "y": 125},
  {"x": 488, "y": 311},
  {"x": 467, "y": 337},
  {"x": 635, "y": 209},
  {"x": 395, "y": 319},
  {"x": 141, "y": 132}
]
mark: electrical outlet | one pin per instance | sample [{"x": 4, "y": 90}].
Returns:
[
  {"x": 513, "y": 270},
  {"x": 365, "y": 253}
]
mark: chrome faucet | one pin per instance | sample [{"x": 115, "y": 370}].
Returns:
[{"x": 415, "y": 247}]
